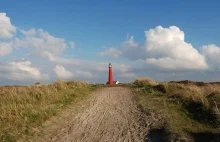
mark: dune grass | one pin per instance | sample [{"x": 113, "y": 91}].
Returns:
[
  {"x": 24, "y": 108},
  {"x": 186, "y": 108}
]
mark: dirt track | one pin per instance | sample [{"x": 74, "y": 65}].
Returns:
[{"x": 109, "y": 115}]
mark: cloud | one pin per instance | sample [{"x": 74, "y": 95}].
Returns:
[
  {"x": 40, "y": 41},
  {"x": 5, "y": 48},
  {"x": 60, "y": 60},
  {"x": 30, "y": 32},
  {"x": 168, "y": 63},
  {"x": 21, "y": 71},
  {"x": 112, "y": 52},
  {"x": 128, "y": 49},
  {"x": 166, "y": 49},
  {"x": 61, "y": 72},
  {"x": 212, "y": 53},
  {"x": 133, "y": 50},
  {"x": 6, "y": 28},
  {"x": 42, "y": 44}
]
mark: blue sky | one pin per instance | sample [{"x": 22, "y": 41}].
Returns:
[{"x": 97, "y": 26}]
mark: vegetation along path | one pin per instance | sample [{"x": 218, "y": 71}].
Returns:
[{"x": 110, "y": 114}]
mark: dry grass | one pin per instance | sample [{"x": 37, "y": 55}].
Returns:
[
  {"x": 144, "y": 81},
  {"x": 190, "y": 93},
  {"x": 186, "y": 106},
  {"x": 24, "y": 108}
]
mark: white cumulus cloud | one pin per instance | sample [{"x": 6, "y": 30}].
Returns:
[
  {"x": 40, "y": 41},
  {"x": 5, "y": 49},
  {"x": 212, "y": 53},
  {"x": 62, "y": 72},
  {"x": 21, "y": 71},
  {"x": 6, "y": 28},
  {"x": 30, "y": 32},
  {"x": 166, "y": 49}
]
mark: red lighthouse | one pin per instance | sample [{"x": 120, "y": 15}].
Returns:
[{"x": 110, "y": 75}]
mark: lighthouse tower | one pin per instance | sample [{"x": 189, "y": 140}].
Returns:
[{"x": 110, "y": 75}]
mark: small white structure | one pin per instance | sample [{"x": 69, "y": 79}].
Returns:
[{"x": 116, "y": 82}]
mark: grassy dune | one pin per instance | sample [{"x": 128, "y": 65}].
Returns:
[
  {"x": 24, "y": 108},
  {"x": 181, "y": 108}
]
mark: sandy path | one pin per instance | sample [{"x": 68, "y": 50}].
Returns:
[{"x": 110, "y": 115}]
